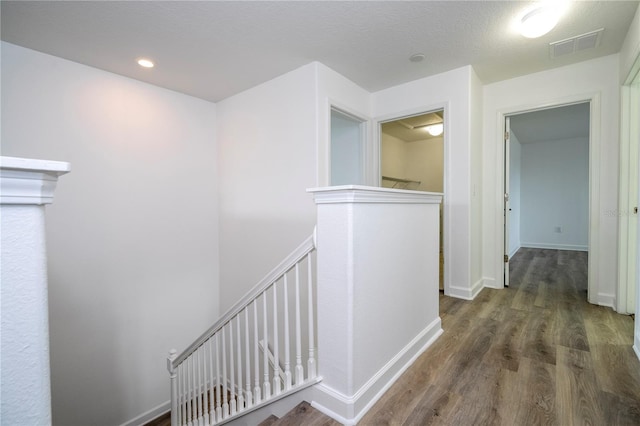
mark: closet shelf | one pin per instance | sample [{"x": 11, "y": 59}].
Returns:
[{"x": 401, "y": 183}]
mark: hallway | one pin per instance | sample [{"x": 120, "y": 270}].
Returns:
[{"x": 533, "y": 354}]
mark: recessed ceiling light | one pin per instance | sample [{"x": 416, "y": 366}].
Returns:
[
  {"x": 417, "y": 57},
  {"x": 146, "y": 63}
]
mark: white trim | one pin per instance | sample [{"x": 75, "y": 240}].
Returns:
[
  {"x": 330, "y": 104},
  {"x": 636, "y": 346},
  {"x": 152, "y": 414},
  {"x": 27, "y": 181},
  {"x": 489, "y": 283},
  {"x": 372, "y": 194},
  {"x": 594, "y": 181},
  {"x": 515, "y": 250},
  {"x": 552, "y": 246},
  {"x": 608, "y": 300},
  {"x": 349, "y": 410},
  {"x": 465, "y": 292}
]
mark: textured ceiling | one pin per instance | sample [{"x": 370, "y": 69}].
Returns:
[{"x": 214, "y": 49}]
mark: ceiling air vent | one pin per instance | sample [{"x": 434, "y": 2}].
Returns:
[{"x": 575, "y": 44}]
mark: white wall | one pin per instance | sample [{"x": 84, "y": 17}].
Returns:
[
  {"x": 596, "y": 79},
  {"x": 132, "y": 236},
  {"x": 452, "y": 91},
  {"x": 267, "y": 159},
  {"x": 630, "y": 48},
  {"x": 274, "y": 143},
  {"x": 514, "y": 193},
  {"x": 555, "y": 194},
  {"x": 332, "y": 89},
  {"x": 475, "y": 182}
]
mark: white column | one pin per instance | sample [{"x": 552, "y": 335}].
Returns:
[
  {"x": 377, "y": 291},
  {"x": 25, "y": 187}
]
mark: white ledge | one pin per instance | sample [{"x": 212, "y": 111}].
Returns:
[
  {"x": 371, "y": 194},
  {"x": 29, "y": 181}
]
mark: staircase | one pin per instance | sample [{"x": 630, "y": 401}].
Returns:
[
  {"x": 302, "y": 414},
  {"x": 253, "y": 355},
  {"x": 379, "y": 254}
]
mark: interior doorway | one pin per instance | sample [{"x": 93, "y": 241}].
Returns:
[
  {"x": 347, "y": 159},
  {"x": 547, "y": 185},
  {"x": 412, "y": 158}
]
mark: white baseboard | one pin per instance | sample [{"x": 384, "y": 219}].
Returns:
[
  {"x": 636, "y": 344},
  {"x": 143, "y": 418},
  {"x": 608, "y": 300},
  {"x": 514, "y": 251},
  {"x": 348, "y": 410},
  {"x": 551, "y": 246},
  {"x": 466, "y": 293},
  {"x": 490, "y": 283}
]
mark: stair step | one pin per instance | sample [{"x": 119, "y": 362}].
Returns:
[
  {"x": 305, "y": 414},
  {"x": 272, "y": 419}
]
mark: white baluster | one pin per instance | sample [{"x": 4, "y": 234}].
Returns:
[
  {"x": 180, "y": 393},
  {"x": 200, "y": 383},
  {"x": 249, "y": 396},
  {"x": 266, "y": 393},
  {"x": 218, "y": 389},
  {"x": 203, "y": 387},
  {"x": 311, "y": 362},
  {"x": 240, "y": 392},
  {"x": 225, "y": 401},
  {"x": 189, "y": 395},
  {"x": 287, "y": 363},
  {"x": 232, "y": 402},
  {"x": 212, "y": 404},
  {"x": 256, "y": 387},
  {"x": 299, "y": 369},
  {"x": 277, "y": 383},
  {"x": 194, "y": 372},
  {"x": 173, "y": 380}
]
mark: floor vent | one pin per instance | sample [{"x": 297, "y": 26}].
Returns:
[{"x": 589, "y": 40}]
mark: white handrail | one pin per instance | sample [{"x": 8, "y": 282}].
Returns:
[
  {"x": 204, "y": 390},
  {"x": 285, "y": 266}
]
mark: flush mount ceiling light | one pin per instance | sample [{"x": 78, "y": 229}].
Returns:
[
  {"x": 542, "y": 18},
  {"x": 435, "y": 129},
  {"x": 145, "y": 63},
  {"x": 417, "y": 57}
]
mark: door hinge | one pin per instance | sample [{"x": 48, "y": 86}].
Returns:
[
  {"x": 506, "y": 196},
  {"x": 506, "y": 135},
  {"x": 506, "y": 258}
]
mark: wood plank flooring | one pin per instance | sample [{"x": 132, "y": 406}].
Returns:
[{"x": 536, "y": 353}]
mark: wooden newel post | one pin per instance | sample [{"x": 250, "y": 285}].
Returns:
[{"x": 174, "y": 387}]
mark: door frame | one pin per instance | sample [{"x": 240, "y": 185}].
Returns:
[
  {"x": 627, "y": 238},
  {"x": 594, "y": 179},
  {"x": 376, "y": 172}
]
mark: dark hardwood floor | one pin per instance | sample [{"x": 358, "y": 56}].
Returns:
[{"x": 536, "y": 353}]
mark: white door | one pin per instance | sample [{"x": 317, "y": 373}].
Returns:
[{"x": 507, "y": 156}]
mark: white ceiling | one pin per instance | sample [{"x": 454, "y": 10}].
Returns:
[
  {"x": 553, "y": 124},
  {"x": 214, "y": 49}
]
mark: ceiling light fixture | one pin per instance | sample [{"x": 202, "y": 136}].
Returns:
[
  {"x": 542, "y": 18},
  {"x": 145, "y": 63},
  {"x": 417, "y": 57},
  {"x": 435, "y": 129}
]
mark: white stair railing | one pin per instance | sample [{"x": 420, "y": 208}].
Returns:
[{"x": 207, "y": 378}]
